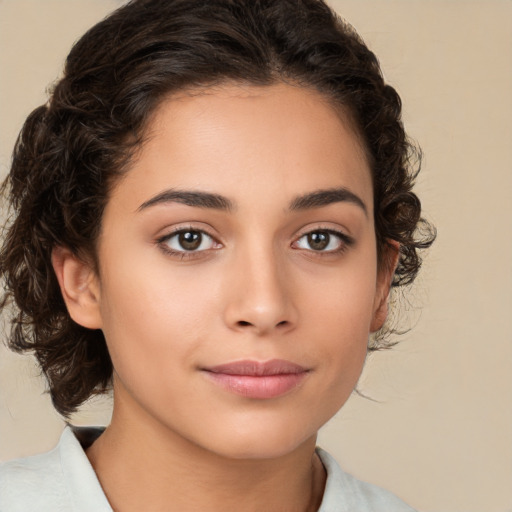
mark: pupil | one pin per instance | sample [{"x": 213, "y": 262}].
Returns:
[
  {"x": 318, "y": 240},
  {"x": 190, "y": 240}
]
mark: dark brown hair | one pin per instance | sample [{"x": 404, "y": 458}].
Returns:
[{"x": 72, "y": 149}]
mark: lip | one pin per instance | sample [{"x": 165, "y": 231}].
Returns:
[{"x": 258, "y": 380}]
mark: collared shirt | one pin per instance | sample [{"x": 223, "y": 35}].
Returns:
[{"x": 63, "y": 480}]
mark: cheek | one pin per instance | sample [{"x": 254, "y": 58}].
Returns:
[
  {"x": 154, "y": 319},
  {"x": 338, "y": 315},
  {"x": 342, "y": 299}
]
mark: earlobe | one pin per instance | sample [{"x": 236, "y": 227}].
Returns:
[
  {"x": 79, "y": 287},
  {"x": 384, "y": 280}
]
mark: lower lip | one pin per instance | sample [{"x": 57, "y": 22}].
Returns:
[{"x": 258, "y": 386}]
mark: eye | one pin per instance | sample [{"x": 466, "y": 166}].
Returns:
[
  {"x": 323, "y": 240},
  {"x": 188, "y": 240}
]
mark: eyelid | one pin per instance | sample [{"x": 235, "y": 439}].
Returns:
[
  {"x": 183, "y": 254},
  {"x": 346, "y": 240}
]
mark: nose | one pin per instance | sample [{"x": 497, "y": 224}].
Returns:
[{"x": 260, "y": 295}]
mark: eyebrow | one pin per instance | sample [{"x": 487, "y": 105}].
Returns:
[
  {"x": 198, "y": 199},
  {"x": 320, "y": 198},
  {"x": 190, "y": 198}
]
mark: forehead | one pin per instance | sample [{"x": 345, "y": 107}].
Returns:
[{"x": 237, "y": 140}]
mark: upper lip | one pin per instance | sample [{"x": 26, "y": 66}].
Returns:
[{"x": 257, "y": 368}]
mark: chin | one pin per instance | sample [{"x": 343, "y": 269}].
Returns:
[
  {"x": 265, "y": 442},
  {"x": 258, "y": 450}
]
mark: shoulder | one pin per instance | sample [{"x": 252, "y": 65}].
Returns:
[
  {"x": 34, "y": 482},
  {"x": 54, "y": 481},
  {"x": 344, "y": 493}
]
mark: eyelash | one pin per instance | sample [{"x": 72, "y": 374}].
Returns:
[
  {"x": 345, "y": 241},
  {"x": 163, "y": 242}
]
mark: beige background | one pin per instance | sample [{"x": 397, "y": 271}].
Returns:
[{"x": 440, "y": 435}]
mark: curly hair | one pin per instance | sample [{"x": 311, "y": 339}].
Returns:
[{"x": 71, "y": 151}]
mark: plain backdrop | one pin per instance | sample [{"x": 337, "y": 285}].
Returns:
[{"x": 439, "y": 431}]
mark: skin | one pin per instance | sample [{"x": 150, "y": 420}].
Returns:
[{"x": 256, "y": 289}]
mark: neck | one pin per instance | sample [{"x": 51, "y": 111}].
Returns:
[{"x": 142, "y": 465}]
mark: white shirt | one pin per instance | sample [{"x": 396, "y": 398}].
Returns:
[{"x": 63, "y": 480}]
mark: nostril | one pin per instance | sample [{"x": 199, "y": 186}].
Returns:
[{"x": 244, "y": 323}]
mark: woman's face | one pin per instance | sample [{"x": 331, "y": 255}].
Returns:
[{"x": 238, "y": 274}]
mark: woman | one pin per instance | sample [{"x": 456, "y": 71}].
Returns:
[{"x": 208, "y": 216}]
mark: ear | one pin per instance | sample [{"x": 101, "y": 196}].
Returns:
[
  {"x": 79, "y": 286},
  {"x": 387, "y": 267}
]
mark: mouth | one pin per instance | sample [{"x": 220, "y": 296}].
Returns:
[{"x": 258, "y": 380}]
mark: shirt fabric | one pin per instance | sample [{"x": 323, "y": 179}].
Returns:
[{"x": 63, "y": 480}]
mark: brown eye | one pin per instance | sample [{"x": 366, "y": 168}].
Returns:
[
  {"x": 319, "y": 240},
  {"x": 188, "y": 240},
  {"x": 323, "y": 240}
]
